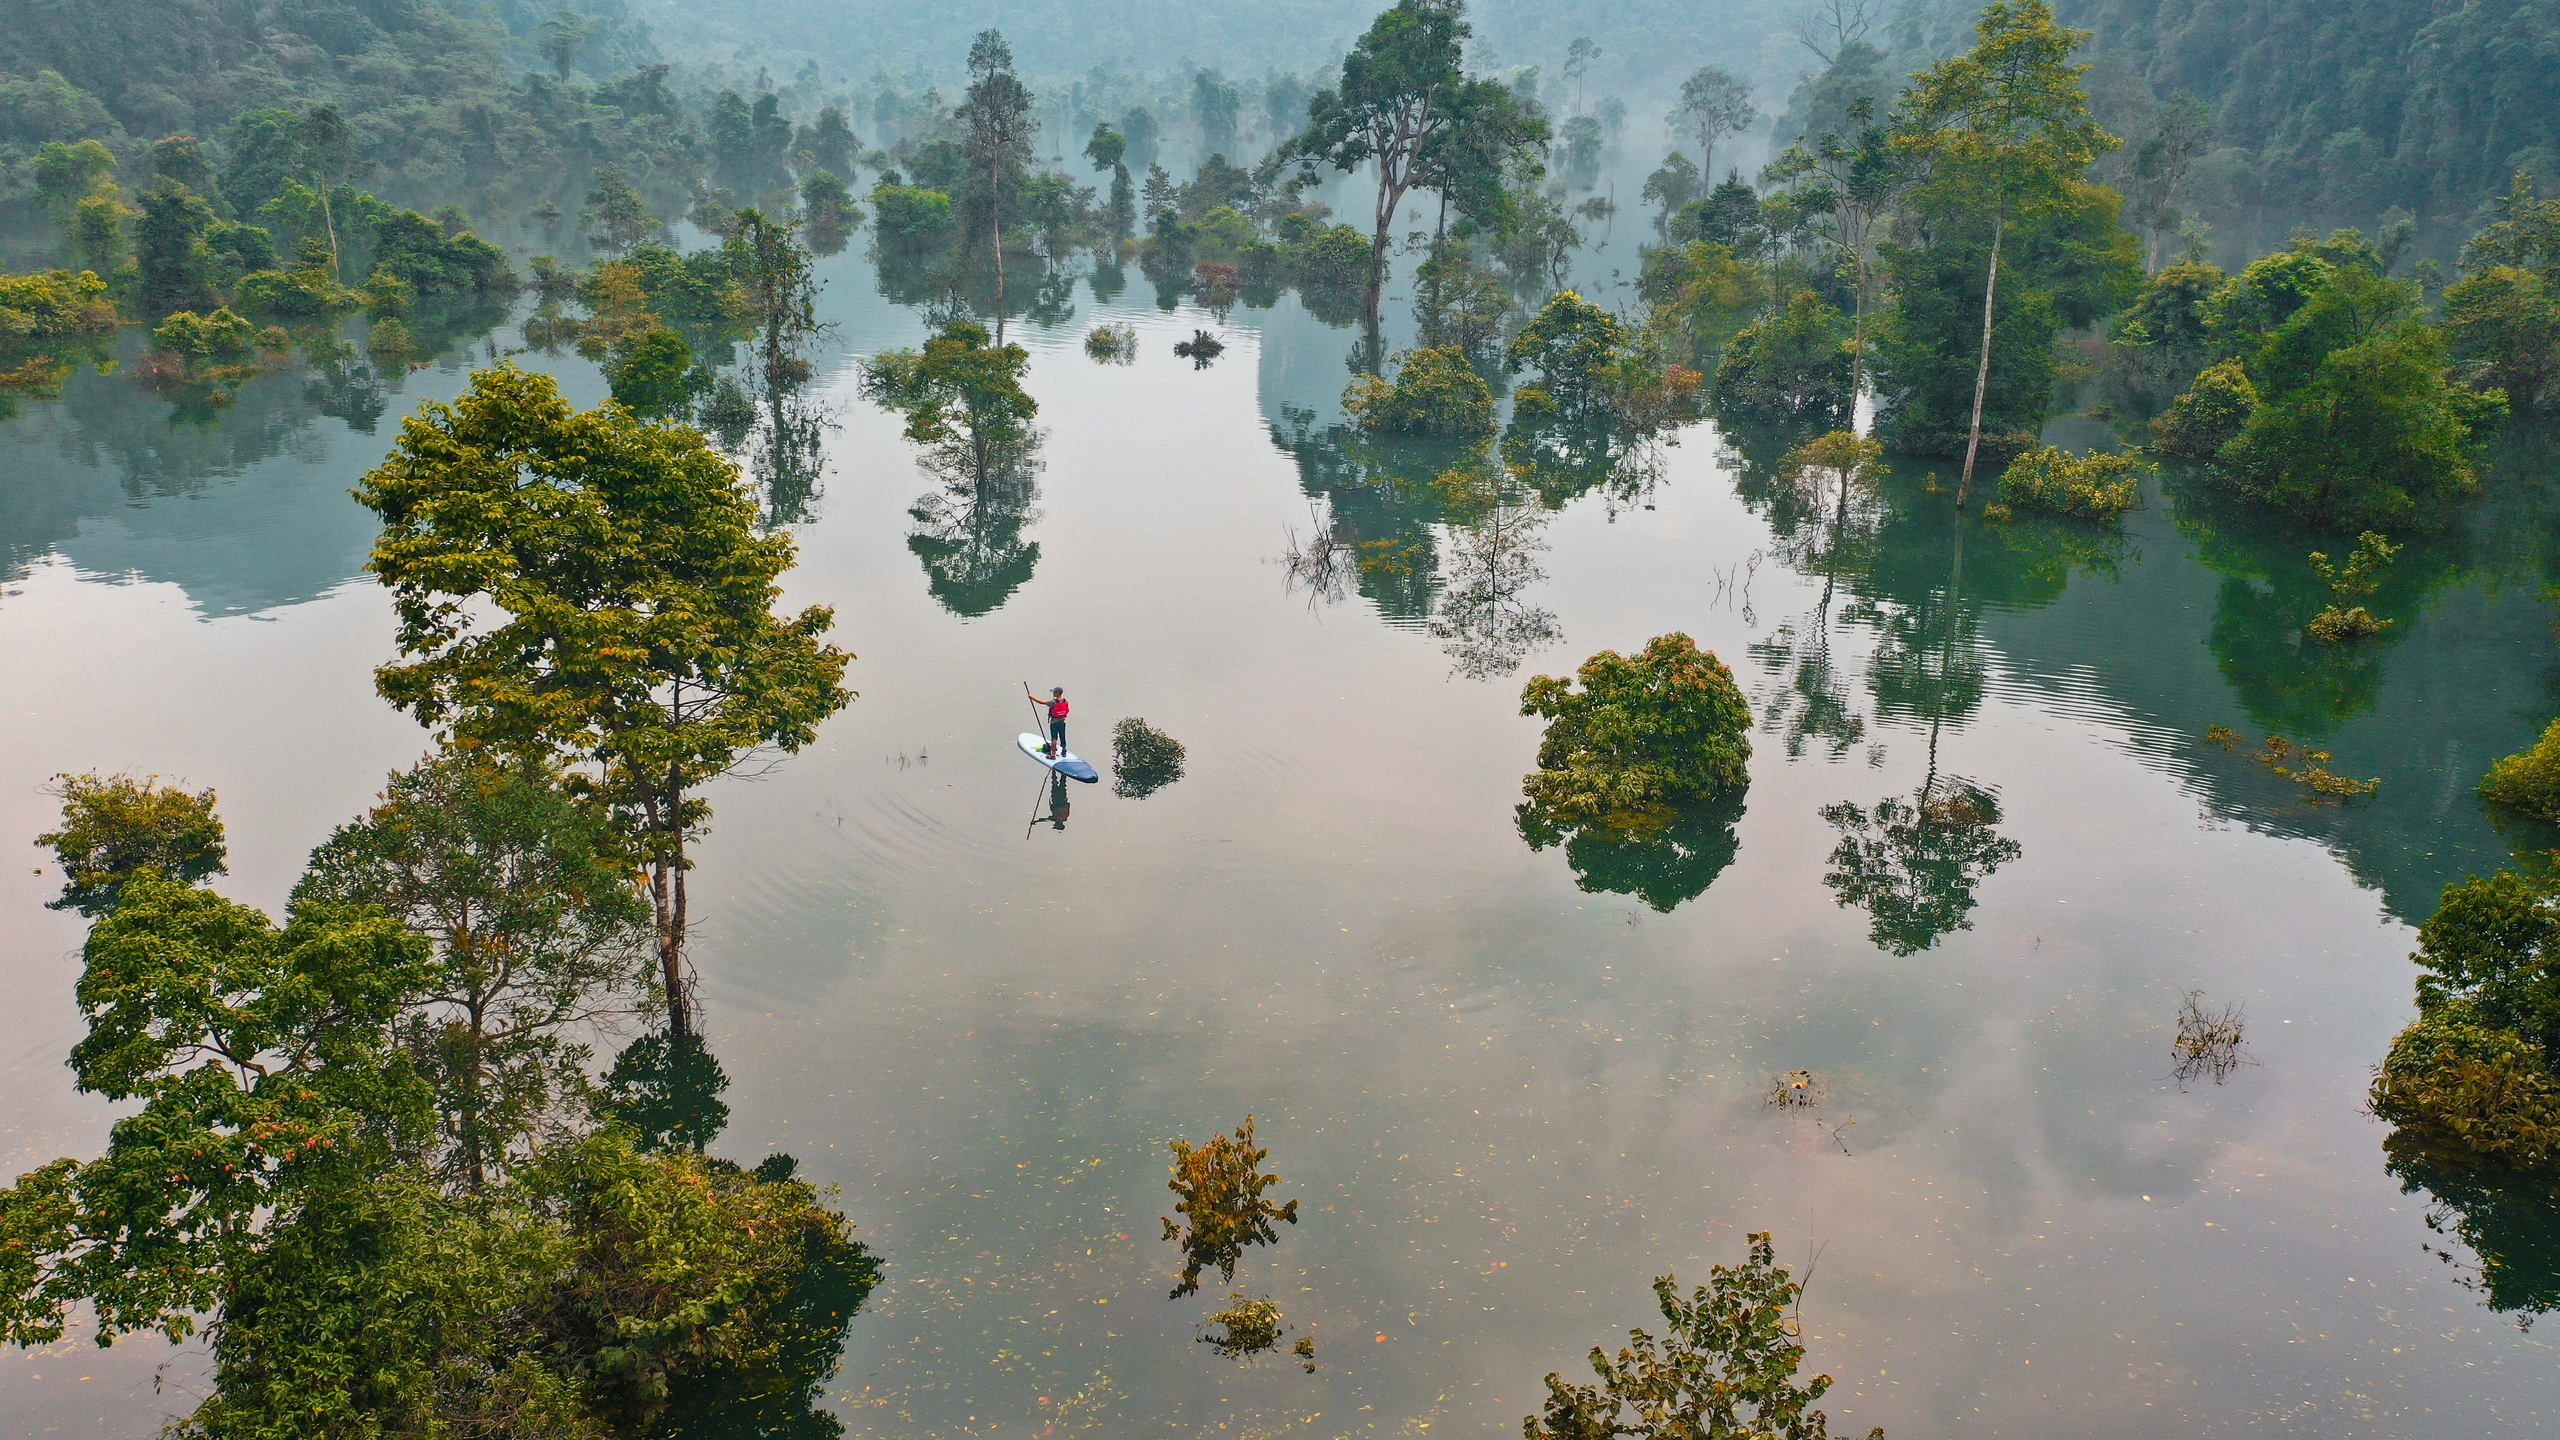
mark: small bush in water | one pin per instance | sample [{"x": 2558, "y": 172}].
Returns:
[
  {"x": 1143, "y": 759},
  {"x": 2088, "y": 487}
]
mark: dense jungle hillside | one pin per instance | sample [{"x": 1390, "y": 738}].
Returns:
[{"x": 2310, "y": 110}]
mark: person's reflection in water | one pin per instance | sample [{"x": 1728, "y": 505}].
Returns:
[{"x": 1057, "y": 803}]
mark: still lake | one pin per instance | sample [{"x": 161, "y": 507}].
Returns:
[{"x": 1509, "y": 1086}]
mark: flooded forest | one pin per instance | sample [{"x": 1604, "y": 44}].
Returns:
[{"x": 1807, "y": 717}]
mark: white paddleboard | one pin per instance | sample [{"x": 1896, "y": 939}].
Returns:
[{"x": 1069, "y": 764}]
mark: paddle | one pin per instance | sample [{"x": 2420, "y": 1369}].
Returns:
[{"x": 1037, "y": 725}]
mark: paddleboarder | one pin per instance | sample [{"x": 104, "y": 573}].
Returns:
[{"x": 1057, "y": 712}]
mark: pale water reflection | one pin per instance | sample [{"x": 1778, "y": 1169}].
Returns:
[{"x": 1508, "y": 1084}]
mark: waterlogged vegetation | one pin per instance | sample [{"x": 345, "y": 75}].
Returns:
[{"x": 1994, "y": 425}]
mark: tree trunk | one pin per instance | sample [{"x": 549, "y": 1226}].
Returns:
[
  {"x": 1858, "y": 348},
  {"x": 1982, "y": 371},
  {"x": 995, "y": 223},
  {"x": 665, "y": 817},
  {"x": 1387, "y": 203}
]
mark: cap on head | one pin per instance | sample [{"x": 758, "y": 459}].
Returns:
[{"x": 1057, "y": 689}]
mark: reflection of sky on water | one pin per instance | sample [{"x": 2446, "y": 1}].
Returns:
[{"x": 1507, "y": 1101}]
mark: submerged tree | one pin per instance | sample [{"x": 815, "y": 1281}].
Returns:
[
  {"x": 2004, "y": 126},
  {"x": 999, "y": 129},
  {"x": 1108, "y": 150},
  {"x": 963, "y": 400},
  {"x": 1861, "y": 184},
  {"x": 1826, "y": 515},
  {"x": 1144, "y": 759},
  {"x": 1666, "y": 726},
  {"x": 581, "y": 587},
  {"x": 1724, "y": 1369},
  {"x": 1402, "y": 96},
  {"x": 1712, "y": 105},
  {"x": 117, "y": 826},
  {"x": 539, "y": 938},
  {"x": 965, "y": 405},
  {"x": 1221, "y": 1185},
  {"x": 2474, "y": 1076}
]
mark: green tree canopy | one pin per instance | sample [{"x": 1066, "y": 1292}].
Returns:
[
  {"x": 538, "y": 935},
  {"x": 581, "y": 586},
  {"x": 2003, "y": 127},
  {"x": 1664, "y": 727},
  {"x": 116, "y": 826},
  {"x": 1723, "y": 1369}
]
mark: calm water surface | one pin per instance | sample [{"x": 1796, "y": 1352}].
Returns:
[{"x": 1508, "y": 1086}]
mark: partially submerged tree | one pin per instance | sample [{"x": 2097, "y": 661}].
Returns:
[
  {"x": 1221, "y": 1185},
  {"x": 1724, "y": 1368},
  {"x": 539, "y": 938},
  {"x": 2006, "y": 127},
  {"x": 581, "y": 587},
  {"x": 964, "y": 402},
  {"x": 1713, "y": 104},
  {"x": 2474, "y": 1076},
  {"x": 999, "y": 128},
  {"x": 1664, "y": 727},
  {"x": 116, "y": 826},
  {"x": 1402, "y": 97}
]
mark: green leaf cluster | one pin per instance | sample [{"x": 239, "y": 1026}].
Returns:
[
  {"x": 1221, "y": 1186},
  {"x": 116, "y": 826},
  {"x": 2095, "y": 486},
  {"x": 1724, "y": 1368},
  {"x": 963, "y": 399},
  {"x": 2333, "y": 400},
  {"x": 1661, "y": 728},
  {"x": 2529, "y": 780},
  {"x": 1436, "y": 394},
  {"x": 584, "y": 588},
  {"x": 331, "y": 1161},
  {"x": 1788, "y": 369},
  {"x": 51, "y": 303},
  {"x": 2475, "y": 1074}
]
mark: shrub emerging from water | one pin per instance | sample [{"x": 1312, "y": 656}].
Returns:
[
  {"x": 1112, "y": 344},
  {"x": 2215, "y": 408},
  {"x": 1664, "y": 727},
  {"x": 114, "y": 825},
  {"x": 1725, "y": 1367},
  {"x": 2472, "y": 1087},
  {"x": 1788, "y": 369},
  {"x": 1221, "y": 1185},
  {"x": 2357, "y": 579},
  {"x": 1143, "y": 759},
  {"x": 2087, "y": 487},
  {"x": 1436, "y": 394},
  {"x": 55, "y": 302},
  {"x": 2474, "y": 1075},
  {"x": 2529, "y": 780},
  {"x": 220, "y": 335}
]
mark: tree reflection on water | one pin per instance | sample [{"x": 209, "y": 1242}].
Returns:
[
  {"x": 2508, "y": 1221},
  {"x": 1662, "y": 857}
]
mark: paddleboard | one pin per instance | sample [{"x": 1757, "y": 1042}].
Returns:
[{"x": 1070, "y": 764}]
